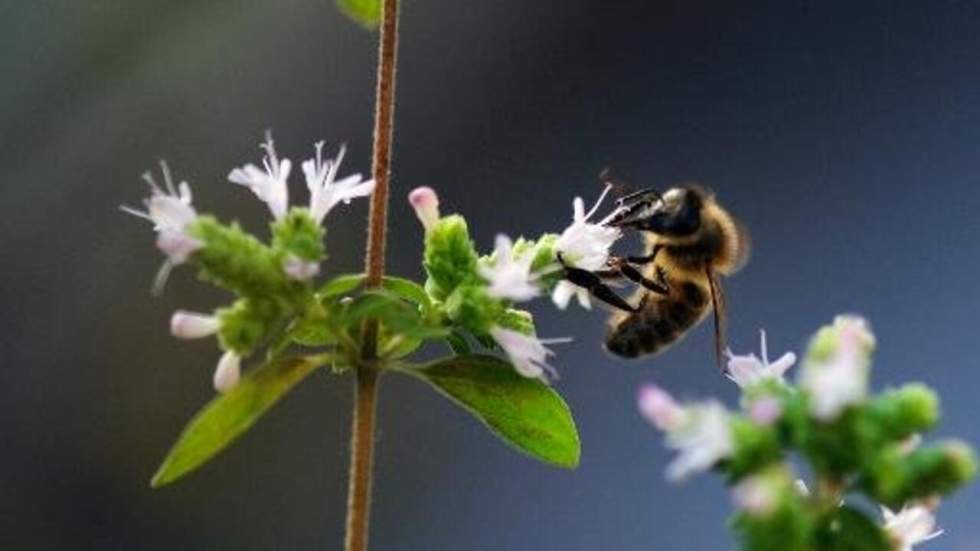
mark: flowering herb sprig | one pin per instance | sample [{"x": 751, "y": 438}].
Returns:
[
  {"x": 468, "y": 302},
  {"x": 855, "y": 443}
]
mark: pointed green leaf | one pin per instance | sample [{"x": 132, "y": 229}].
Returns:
[
  {"x": 229, "y": 415},
  {"x": 526, "y": 413},
  {"x": 340, "y": 285},
  {"x": 407, "y": 289},
  {"x": 366, "y": 13}
]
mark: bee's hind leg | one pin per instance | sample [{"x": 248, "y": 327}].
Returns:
[{"x": 592, "y": 282}]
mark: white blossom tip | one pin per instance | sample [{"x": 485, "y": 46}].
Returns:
[
  {"x": 192, "y": 325},
  {"x": 228, "y": 372},
  {"x": 426, "y": 204},
  {"x": 325, "y": 190}
]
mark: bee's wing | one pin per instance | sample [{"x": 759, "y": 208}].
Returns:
[{"x": 718, "y": 306}]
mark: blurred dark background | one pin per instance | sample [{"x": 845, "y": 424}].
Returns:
[{"x": 845, "y": 134}]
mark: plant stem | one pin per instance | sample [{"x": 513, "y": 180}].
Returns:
[{"x": 366, "y": 381}]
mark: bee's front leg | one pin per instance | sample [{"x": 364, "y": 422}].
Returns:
[{"x": 592, "y": 282}]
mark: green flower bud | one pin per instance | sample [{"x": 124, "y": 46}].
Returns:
[
  {"x": 471, "y": 307},
  {"x": 450, "y": 258},
  {"x": 298, "y": 235},
  {"x": 824, "y": 344},
  {"x": 543, "y": 251},
  {"x": 236, "y": 261},
  {"x": 516, "y": 320},
  {"x": 247, "y": 323},
  {"x": 905, "y": 411},
  {"x": 772, "y": 515},
  {"x": 755, "y": 447},
  {"x": 897, "y": 476}
]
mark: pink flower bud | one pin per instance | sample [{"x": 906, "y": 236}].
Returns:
[
  {"x": 766, "y": 410},
  {"x": 191, "y": 325},
  {"x": 426, "y": 204},
  {"x": 228, "y": 372}
]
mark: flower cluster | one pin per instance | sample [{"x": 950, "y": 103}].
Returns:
[
  {"x": 273, "y": 282},
  {"x": 854, "y": 443},
  {"x": 478, "y": 292}
]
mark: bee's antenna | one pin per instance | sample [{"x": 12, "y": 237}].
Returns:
[{"x": 619, "y": 186}]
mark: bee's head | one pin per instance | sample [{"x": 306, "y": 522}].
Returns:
[{"x": 676, "y": 212}]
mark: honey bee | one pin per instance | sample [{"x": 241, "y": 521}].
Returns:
[{"x": 690, "y": 242}]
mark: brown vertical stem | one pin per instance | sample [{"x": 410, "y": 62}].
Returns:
[{"x": 366, "y": 385}]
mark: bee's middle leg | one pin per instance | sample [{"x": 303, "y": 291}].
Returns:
[{"x": 624, "y": 268}]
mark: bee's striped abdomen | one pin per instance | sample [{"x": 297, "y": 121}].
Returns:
[{"x": 662, "y": 321}]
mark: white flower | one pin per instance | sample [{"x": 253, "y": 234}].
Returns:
[
  {"x": 300, "y": 270},
  {"x": 268, "y": 183},
  {"x": 191, "y": 325},
  {"x": 700, "y": 432},
  {"x": 426, "y": 204},
  {"x": 911, "y": 526},
  {"x": 842, "y": 380},
  {"x": 583, "y": 245},
  {"x": 659, "y": 408},
  {"x": 228, "y": 372},
  {"x": 170, "y": 210},
  {"x": 527, "y": 353},
  {"x": 510, "y": 275},
  {"x": 325, "y": 193},
  {"x": 702, "y": 440},
  {"x": 748, "y": 370}
]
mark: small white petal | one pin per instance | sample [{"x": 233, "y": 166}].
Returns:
[
  {"x": 325, "y": 191},
  {"x": 911, "y": 526},
  {"x": 228, "y": 372},
  {"x": 527, "y": 353},
  {"x": 562, "y": 294},
  {"x": 192, "y": 325},
  {"x": 177, "y": 245},
  {"x": 269, "y": 184},
  {"x": 703, "y": 440},
  {"x": 748, "y": 370},
  {"x": 659, "y": 408}
]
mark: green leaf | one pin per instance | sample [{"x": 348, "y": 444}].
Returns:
[
  {"x": 340, "y": 285},
  {"x": 525, "y": 413},
  {"x": 229, "y": 415},
  {"x": 366, "y": 13},
  {"x": 458, "y": 343},
  {"x": 408, "y": 290}
]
